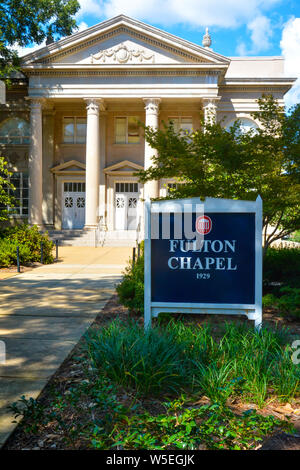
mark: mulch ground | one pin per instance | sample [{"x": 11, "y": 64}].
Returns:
[{"x": 71, "y": 372}]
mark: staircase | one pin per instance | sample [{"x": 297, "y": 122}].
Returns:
[{"x": 93, "y": 237}]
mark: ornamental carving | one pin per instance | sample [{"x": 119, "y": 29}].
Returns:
[
  {"x": 152, "y": 105},
  {"x": 121, "y": 54}
]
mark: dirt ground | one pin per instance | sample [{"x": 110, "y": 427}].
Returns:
[{"x": 70, "y": 372}]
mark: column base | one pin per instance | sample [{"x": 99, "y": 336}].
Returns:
[{"x": 90, "y": 227}]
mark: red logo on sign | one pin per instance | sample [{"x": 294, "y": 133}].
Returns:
[{"x": 203, "y": 224}]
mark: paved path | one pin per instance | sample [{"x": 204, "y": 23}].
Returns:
[{"x": 43, "y": 314}]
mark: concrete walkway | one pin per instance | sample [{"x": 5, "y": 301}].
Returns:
[{"x": 43, "y": 314}]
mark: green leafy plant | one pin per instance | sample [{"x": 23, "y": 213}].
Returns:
[
  {"x": 29, "y": 240},
  {"x": 31, "y": 410},
  {"x": 131, "y": 289},
  {"x": 177, "y": 358},
  {"x": 289, "y": 302},
  {"x": 6, "y": 199},
  {"x": 282, "y": 265},
  {"x": 187, "y": 428},
  {"x": 149, "y": 362}
]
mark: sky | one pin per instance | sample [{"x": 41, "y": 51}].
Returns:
[{"x": 237, "y": 27}]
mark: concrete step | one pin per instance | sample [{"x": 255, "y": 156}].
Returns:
[{"x": 89, "y": 238}]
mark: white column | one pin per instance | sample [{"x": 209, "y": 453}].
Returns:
[
  {"x": 102, "y": 189},
  {"x": 210, "y": 110},
  {"x": 151, "y": 188},
  {"x": 92, "y": 176},
  {"x": 35, "y": 164}
]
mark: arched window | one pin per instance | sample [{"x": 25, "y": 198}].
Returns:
[
  {"x": 14, "y": 131},
  {"x": 246, "y": 124}
]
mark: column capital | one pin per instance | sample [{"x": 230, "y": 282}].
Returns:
[
  {"x": 152, "y": 105},
  {"x": 94, "y": 105},
  {"x": 211, "y": 102},
  {"x": 210, "y": 105},
  {"x": 36, "y": 103}
]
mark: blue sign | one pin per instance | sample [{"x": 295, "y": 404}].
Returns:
[{"x": 220, "y": 270}]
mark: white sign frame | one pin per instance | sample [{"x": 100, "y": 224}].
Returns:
[{"x": 252, "y": 311}]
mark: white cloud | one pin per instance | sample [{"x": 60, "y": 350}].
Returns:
[
  {"x": 241, "y": 49},
  {"x": 27, "y": 50},
  {"x": 82, "y": 26},
  {"x": 290, "y": 45},
  {"x": 261, "y": 32},
  {"x": 222, "y": 13},
  {"x": 90, "y": 7}
]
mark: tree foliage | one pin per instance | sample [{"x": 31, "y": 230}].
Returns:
[
  {"x": 23, "y": 22},
  {"x": 6, "y": 199},
  {"x": 216, "y": 162}
]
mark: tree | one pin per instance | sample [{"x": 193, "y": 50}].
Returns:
[
  {"x": 23, "y": 22},
  {"x": 6, "y": 198},
  {"x": 215, "y": 162}
]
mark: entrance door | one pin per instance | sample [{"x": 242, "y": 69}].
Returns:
[
  {"x": 73, "y": 205},
  {"x": 126, "y": 202}
]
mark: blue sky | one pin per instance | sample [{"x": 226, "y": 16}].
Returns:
[
  {"x": 237, "y": 27},
  {"x": 254, "y": 28}
]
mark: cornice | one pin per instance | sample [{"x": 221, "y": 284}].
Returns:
[
  {"x": 134, "y": 28},
  {"x": 258, "y": 81},
  {"x": 108, "y": 73}
]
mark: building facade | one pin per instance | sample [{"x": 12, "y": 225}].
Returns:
[{"x": 70, "y": 128}]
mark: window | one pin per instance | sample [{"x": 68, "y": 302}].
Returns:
[
  {"x": 14, "y": 131},
  {"x": 246, "y": 124},
  {"x": 74, "y": 130},
  {"x": 126, "y": 187},
  {"x": 127, "y": 130},
  {"x": 74, "y": 187},
  {"x": 184, "y": 124},
  {"x": 20, "y": 182}
]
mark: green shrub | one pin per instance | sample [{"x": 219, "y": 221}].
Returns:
[
  {"x": 295, "y": 237},
  {"x": 282, "y": 265},
  {"x": 289, "y": 302},
  {"x": 269, "y": 301},
  {"x": 29, "y": 240},
  {"x": 8, "y": 253},
  {"x": 131, "y": 289}
]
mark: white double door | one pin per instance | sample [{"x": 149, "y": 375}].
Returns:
[
  {"x": 73, "y": 205},
  {"x": 126, "y": 206}
]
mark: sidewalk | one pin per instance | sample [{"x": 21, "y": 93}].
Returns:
[{"x": 43, "y": 314}]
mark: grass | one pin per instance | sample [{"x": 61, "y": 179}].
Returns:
[
  {"x": 175, "y": 358},
  {"x": 175, "y": 387}
]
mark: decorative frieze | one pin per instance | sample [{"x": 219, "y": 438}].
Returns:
[{"x": 121, "y": 54}]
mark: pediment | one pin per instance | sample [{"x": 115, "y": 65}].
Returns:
[
  {"x": 123, "y": 41},
  {"x": 125, "y": 167},
  {"x": 72, "y": 166}
]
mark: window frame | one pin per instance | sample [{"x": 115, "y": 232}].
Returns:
[
  {"x": 21, "y": 137},
  {"x": 126, "y": 136},
  {"x": 11, "y": 211},
  {"x": 180, "y": 118},
  {"x": 119, "y": 182},
  {"x": 74, "y": 118}
]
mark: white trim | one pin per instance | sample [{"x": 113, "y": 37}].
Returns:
[{"x": 75, "y": 130}]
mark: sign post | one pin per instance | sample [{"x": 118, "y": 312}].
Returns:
[{"x": 203, "y": 257}]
